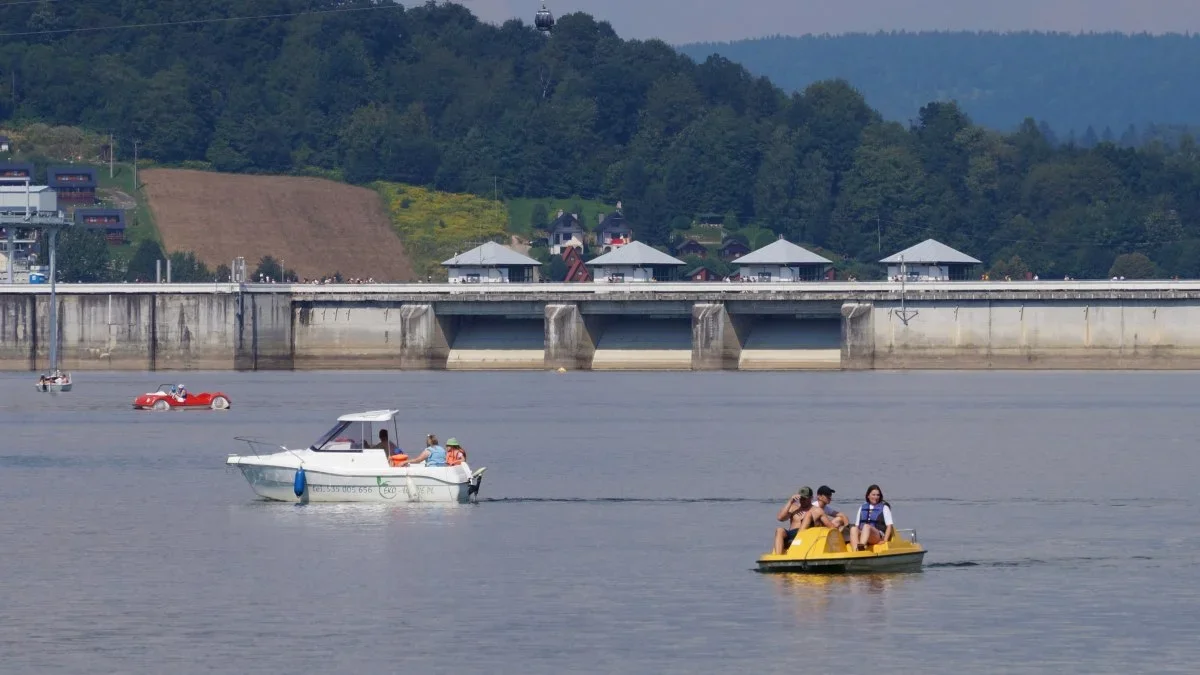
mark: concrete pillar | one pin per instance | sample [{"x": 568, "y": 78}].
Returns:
[
  {"x": 858, "y": 336},
  {"x": 264, "y": 329},
  {"x": 570, "y": 337},
  {"x": 425, "y": 338},
  {"x": 716, "y": 343}
]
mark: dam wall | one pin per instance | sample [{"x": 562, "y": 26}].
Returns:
[{"x": 680, "y": 326}]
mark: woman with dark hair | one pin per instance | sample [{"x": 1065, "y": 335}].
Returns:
[{"x": 873, "y": 524}]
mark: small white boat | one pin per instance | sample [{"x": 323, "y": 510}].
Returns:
[
  {"x": 342, "y": 466},
  {"x": 54, "y": 382}
]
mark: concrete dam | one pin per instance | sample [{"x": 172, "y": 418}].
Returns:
[{"x": 667, "y": 326}]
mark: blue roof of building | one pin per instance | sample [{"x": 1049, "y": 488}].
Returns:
[
  {"x": 80, "y": 214},
  {"x": 25, "y": 167}
]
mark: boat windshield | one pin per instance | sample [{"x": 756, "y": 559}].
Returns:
[{"x": 348, "y": 437}]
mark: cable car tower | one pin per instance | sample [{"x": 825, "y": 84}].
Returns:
[{"x": 543, "y": 20}]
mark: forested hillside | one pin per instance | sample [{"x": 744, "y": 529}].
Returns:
[
  {"x": 429, "y": 96},
  {"x": 1106, "y": 81}
]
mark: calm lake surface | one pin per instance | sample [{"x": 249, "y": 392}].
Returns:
[{"x": 620, "y": 520}]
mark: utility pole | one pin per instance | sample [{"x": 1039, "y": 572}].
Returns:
[
  {"x": 135, "y": 183},
  {"x": 878, "y": 236},
  {"x": 112, "y": 151}
]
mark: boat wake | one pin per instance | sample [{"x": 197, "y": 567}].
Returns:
[
  {"x": 1031, "y": 562},
  {"x": 626, "y": 500}
]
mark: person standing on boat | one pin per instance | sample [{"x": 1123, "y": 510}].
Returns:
[
  {"x": 433, "y": 454},
  {"x": 793, "y": 512},
  {"x": 873, "y": 523}
]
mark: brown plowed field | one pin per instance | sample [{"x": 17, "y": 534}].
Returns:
[{"x": 314, "y": 226}]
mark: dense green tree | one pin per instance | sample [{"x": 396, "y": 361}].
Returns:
[
  {"x": 144, "y": 263},
  {"x": 81, "y": 255},
  {"x": 1133, "y": 266}
]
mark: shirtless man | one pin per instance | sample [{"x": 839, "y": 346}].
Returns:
[
  {"x": 825, "y": 515},
  {"x": 793, "y": 512}
]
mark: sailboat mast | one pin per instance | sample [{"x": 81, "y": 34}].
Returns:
[{"x": 53, "y": 302}]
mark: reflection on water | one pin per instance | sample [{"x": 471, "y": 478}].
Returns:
[{"x": 812, "y": 596}]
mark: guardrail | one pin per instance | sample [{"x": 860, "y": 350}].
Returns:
[{"x": 634, "y": 288}]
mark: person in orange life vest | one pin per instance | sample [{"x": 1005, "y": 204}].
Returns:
[
  {"x": 874, "y": 521},
  {"x": 455, "y": 454}
]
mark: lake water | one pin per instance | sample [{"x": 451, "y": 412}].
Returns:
[{"x": 620, "y": 520}]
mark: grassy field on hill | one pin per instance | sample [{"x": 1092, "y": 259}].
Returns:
[
  {"x": 520, "y": 212},
  {"x": 435, "y": 225}
]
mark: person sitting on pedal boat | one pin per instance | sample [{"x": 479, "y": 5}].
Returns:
[
  {"x": 825, "y": 515},
  {"x": 873, "y": 523},
  {"x": 793, "y": 512},
  {"x": 455, "y": 454}
]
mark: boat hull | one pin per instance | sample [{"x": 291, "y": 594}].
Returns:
[
  {"x": 821, "y": 550},
  {"x": 277, "y": 483},
  {"x": 876, "y": 564},
  {"x": 53, "y": 388}
]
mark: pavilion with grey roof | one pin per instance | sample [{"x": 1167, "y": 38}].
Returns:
[
  {"x": 929, "y": 260},
  {"x": 781, "y": 260},
  {"x": 635, "y": 261},
  {"x": 491, "y": 262}
]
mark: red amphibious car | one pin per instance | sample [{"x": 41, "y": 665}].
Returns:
[{"x": 172, "y": 397}]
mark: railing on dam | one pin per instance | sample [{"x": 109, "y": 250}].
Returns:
[{"x": 682, "y": 289}]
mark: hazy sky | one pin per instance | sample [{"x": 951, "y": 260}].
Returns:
[{"x": 678, "y": 21}]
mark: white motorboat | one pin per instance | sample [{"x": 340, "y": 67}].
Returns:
[{"x": 347, "y": 465}]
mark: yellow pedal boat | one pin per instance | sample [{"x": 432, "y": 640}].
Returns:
[{"x": 821, "y": 550}]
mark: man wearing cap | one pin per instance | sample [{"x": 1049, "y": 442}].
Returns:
[
  {"x": 794, "y": 511},
  {"x": 825, "y": 515}
]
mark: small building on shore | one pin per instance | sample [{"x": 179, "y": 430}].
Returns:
[
  {"x": 781, "y": 260},
  {"x": 76, "y": 184},
  {"x": 109, "y": 222},
  {"x": 38, "y": 198},
  {"x": 613, "y": 231},
  {"x": 565, "y": 231},
  {"x": 491, "y": 263},
  {"x": 16, "y": 173},
  {"x": 930, "y": 260},
  {"x": 635, "y": 261}
]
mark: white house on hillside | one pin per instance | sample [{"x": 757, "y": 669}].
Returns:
[
  {"x": 635, "y": 261},
  {"x": 781, "y": 260},
  {"x": 492, "y": 263},
  {"x": 929, "y": 260}
]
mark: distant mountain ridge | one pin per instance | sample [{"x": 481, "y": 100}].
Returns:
[{"x": 1069, "y": 81}]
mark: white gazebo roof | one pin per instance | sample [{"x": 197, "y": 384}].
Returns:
[
  {"x": 782, "y": 252},
  {"x": 930, "y": 251},
  {"x": 369, "y": 416},
  {"x": 491, "y": 254},
  {"x": 635, "y": 253}
]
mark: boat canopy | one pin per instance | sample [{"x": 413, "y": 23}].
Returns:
[{"x": 369, "y": 416}]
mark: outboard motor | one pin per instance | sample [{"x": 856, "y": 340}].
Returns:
[{"x": 473, "y": 485}]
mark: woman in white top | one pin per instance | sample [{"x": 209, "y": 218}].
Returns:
[{"x": 873, "y": 523}]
